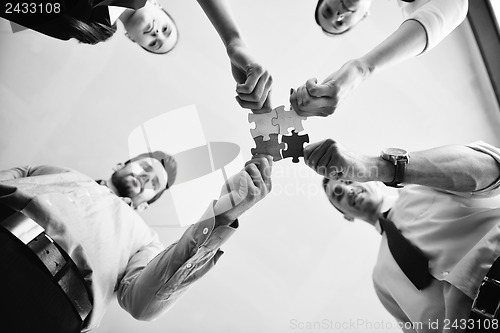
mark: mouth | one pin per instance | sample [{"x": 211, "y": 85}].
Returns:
[{"x": 356, "y": 197}]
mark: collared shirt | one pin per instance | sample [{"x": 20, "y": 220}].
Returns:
[
  {"x": 438, "y": 17},
  {"x": 459, "y": 232},
  {"x": 116, "y": 252},
  {"x": 114, "y": 13}
]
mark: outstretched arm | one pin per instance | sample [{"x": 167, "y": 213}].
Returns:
[
  {"x": 30, "y": 171},
  {"x": 425, "y": 28},
  {"x": 149, "y": 289},
  {"x": 471, "y": 168},
  {"x": 253, "y": 81}
]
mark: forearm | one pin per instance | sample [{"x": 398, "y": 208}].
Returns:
[
  {"x": 406, "y": 42},
  {"x": 147, "y": 291},
  {"x": 30, "y": 171},
  {"x": 451, "y": 168},
  {"x": 221, "y": 18},
  {"x": 424, "y": 29},
  {"x": 158, "y": 286}
]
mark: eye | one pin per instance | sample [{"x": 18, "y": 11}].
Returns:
[
  {"x": 164, "y": 29},
  {"x": 146, "y": 167},
  {"x": 328, "y": 11}
]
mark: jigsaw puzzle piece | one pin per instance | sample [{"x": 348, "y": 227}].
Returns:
[
  {"x": 288, "y": 119},
  {"x": 270, "y": 147},
  {"x": 263, "y": 124},
  {"x": 295, "y": 146}
]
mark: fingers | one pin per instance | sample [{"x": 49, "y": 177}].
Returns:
[
  {"x": 321, "y": 157},
  {"x": 312, "y": 99},
  {"x": 253, "y": 92},
  {"x": 263, "y": 165},
  {"x": 317, "y": 153},
  {"x": 309, "y": 149},
  {"x": 256, "y": 185},
  {"x": 266, "y": 107},
  {"x": 256, "y": 79}
]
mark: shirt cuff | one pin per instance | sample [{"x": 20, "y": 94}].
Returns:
[{"x": 206, "y": 236}]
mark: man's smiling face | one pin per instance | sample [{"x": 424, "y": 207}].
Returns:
[
  {"x": 355, "y": 200},
  {"x": 140, "y": 180}
]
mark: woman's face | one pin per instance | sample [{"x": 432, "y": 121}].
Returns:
[
  {"x": 338, "y": 16},
  {"x": 152, "y": 28}
]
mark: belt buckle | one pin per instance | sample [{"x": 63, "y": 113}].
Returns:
[{"x": 476, "y": 305}]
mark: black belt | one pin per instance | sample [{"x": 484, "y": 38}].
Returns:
[{"x": 59, "y": 264}]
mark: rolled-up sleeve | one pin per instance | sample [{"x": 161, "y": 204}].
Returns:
[
  {"x": 439, "y": 18},
  {"x": 494, "y": 152},
  {"x": 146, "y": 291},
  {"x": 30, "y": 171}
]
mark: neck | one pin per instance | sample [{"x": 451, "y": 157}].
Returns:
[{"x": 377, "y": 213}]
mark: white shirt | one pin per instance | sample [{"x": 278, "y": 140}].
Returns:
[
  {"x": 114, "y": 13},
  {"x": 115, "y": 251},
  {"x": 438, "y": 17},
  {"x": 458, "y": 232}
]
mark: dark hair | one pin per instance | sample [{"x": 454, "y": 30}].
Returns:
[
  {"x": 168, "y": 163},
  {"x": 87, "y": 32},
  {"x": 316, "y": 17},
  {"x": 325, "y": 183},
  {"x": 176, "y": 41}
]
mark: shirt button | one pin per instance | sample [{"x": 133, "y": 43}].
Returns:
[
  {"x": 205, "y": 231},
  {"x": 188, "y": 266},
  {"x": 445, "y": 273}
]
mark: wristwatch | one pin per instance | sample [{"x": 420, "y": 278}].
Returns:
[{"x": 399, "y": 158}]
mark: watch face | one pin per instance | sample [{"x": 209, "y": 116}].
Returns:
[{"x": 395, "y": 152}]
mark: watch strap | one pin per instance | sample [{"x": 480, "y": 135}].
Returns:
[{"x": 399, "y": 174}]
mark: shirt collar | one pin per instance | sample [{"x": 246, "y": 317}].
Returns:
[{"x": 115, "y": 12}]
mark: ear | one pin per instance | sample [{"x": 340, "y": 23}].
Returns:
[
  {"x": 349, "y": 218},
  {"x": 118, "y": 166},
  {"x": 142, "y": 207}
]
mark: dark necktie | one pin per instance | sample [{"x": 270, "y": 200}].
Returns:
[
  {"x": 409, "y": 258},
  {"x": 132, "y": 4}
]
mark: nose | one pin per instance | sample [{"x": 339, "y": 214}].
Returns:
[
  {"x": 339, "y": 16},
  {"x": 154, "y": 32},
  {"x": 144, "y": 178}
]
